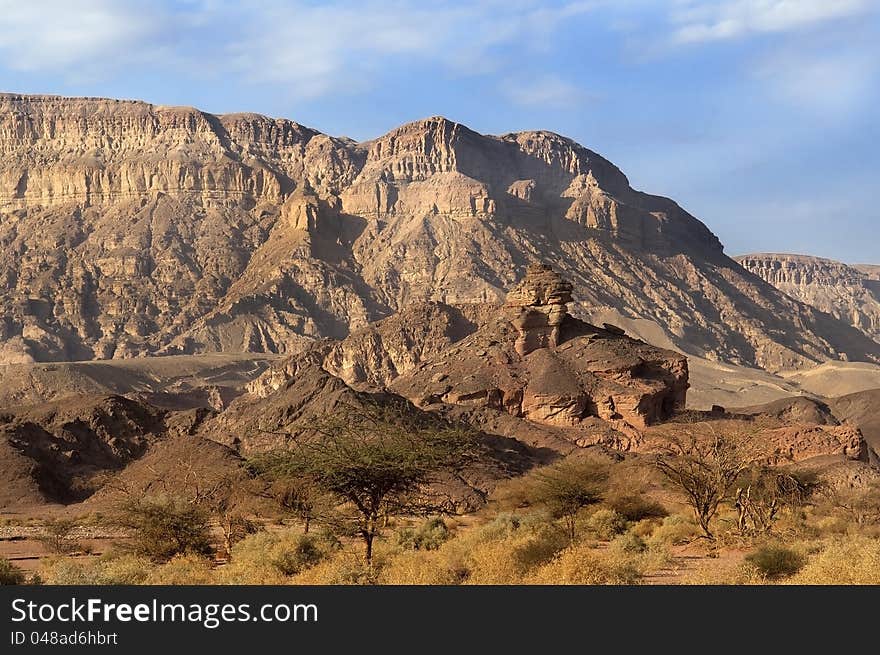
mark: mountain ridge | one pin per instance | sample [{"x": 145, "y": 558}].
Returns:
[
  {"x": 129, "y": 229},
  {"x": 850, "y": 293}
]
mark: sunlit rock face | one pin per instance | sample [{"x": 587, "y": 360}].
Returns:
[
  {"x": 849, "y": 293},
  {"x": 130, "y": 229}
]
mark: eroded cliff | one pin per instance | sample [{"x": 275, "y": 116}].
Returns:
[{"x": 129, "y": 229}]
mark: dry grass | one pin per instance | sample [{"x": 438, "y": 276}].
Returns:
[{"x": 843, "y": 561}]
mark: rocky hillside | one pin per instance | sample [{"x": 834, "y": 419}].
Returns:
[
  {"x": 129, "y": 229},
  {"x": 529, "y": 376},
  {"x": 849, "y": 293}
]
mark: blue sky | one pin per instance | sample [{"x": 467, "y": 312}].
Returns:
[{"x": 758, "y": 116}]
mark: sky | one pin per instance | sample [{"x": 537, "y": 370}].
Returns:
[{"x": 760, "y": 117}]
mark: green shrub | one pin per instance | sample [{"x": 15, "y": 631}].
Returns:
[
  {"x": 303, "y": 552},
  {"x": 775, "y": 561},
  {"x": 430, "y": 535},
  {"x": 9, "y": 573},
  {"x": 161, "y": 528},
  {"x": 606, "y": 524},
  {"x": 635, "y": 507}
]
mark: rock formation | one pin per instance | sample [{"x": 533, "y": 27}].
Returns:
[
  {"x": 849, "y": 293},
  {"x": 550, "y": 368},
  {"x": 130, "y": 229},
  {"x": 540, "y": 301},
  {"x": 801, "y": 442},
  {"x": 574, "y": 386}
]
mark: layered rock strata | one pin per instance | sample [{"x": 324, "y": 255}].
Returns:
[{"x": 129, "y": 229}]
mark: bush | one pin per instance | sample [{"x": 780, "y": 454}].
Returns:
[
  {"x": 344, "y": 568},
  {"x": 743, "y": 574},
  {"x": 854, "y": 560},
  {"x": 303, "y": 552},
  {"x": 422, "y": 568},
  {"x": 58, "y": 537},
  {"x": 646, "y": 527},
  {"x": 629, "y": 542},
  {"x": 272, "y": 557},
  {"x": 9, "y": 573},
  {"x": 430, "y": 535},
  {"x": 635, "y": 507},
  {"x": 776, "y": 561},
  {"x": 500, "y": 527},
  {"x": 674, "y": 530},
  {"x": 585, "y": 565},
  {"x": 606, "y": 524},
  {"x": 507, "y": 561},
  {"x": 832, "y": 525},
  {"x": 163, "y": 527},
  {"x": 183, "y": 570},
  {"x": 109, "y": 569}
]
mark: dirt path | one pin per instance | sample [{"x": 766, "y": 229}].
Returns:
[{"x": 696, "y": 566}]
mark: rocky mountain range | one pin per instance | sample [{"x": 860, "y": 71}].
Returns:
[
  {"x": 130, "y": 229},
  {"x": 849, "y": 293}
]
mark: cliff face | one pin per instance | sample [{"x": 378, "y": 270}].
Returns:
[
  {"x": 849, "y": 293},
  {"x": 129, "y": 229}
]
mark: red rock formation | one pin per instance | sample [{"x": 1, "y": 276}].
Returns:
[{"x": 540, "y": 301}]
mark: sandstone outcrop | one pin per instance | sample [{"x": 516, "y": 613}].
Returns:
[
  {"x": 129, "y": 229},
  {"x": 550, "y": 368},
  {"x": 540, "y": 302},
  {"x": 801, "y": 442},
  {"x": 536, "y": 362}
]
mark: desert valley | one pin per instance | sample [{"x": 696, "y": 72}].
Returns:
[{"x": 186, "y": 297}]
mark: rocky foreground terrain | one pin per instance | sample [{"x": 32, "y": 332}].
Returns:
[
  {"x": 849, "y": 293},
  {"x": 130, "y": 229}
]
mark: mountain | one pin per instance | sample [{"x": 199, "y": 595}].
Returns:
[
  {"x": 130, "y": 229},
  {"x": 872, "y": 271},
  {"x": 849, "y": 293}
]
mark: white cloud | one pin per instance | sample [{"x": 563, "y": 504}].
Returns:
[
  {"x": 831, "y": 83},
  {"x": 700, "y": 21},
  {"x": 321, "y": 48},
  {"x": 63, "y": 36},
  {"x": 309, "y": 48},
  {"x": 551, "y": 92}
]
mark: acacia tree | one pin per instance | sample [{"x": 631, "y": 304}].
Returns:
[
  {"x": 162, "y": 527},
  {"x": 196, "y": 485},
  {"x": 705, "y": 468},
  {"x": 569, "y": 486},
  {"x": 761, "y": 493},
  {"x": 300, "y": 497},
  {"x": 377, "y": 459},
  {"x": 860, "y": 502}
]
